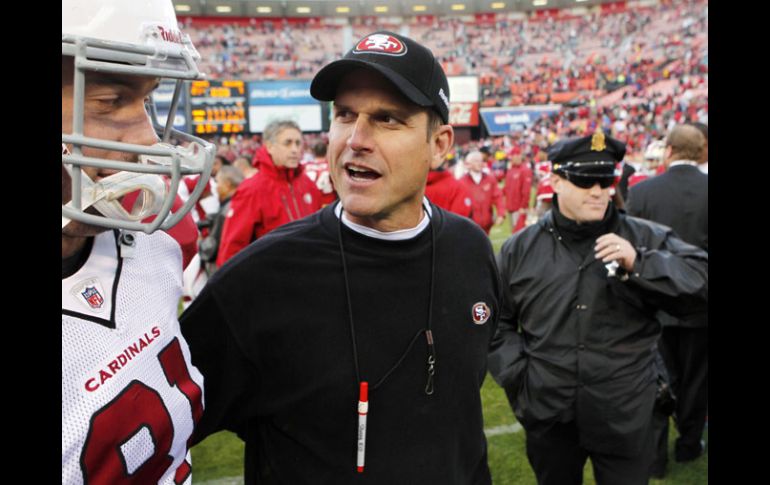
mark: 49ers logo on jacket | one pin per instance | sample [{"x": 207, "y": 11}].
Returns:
[
  {"x": 380, "y": 44},
  {"x": 480, "y": 313}
]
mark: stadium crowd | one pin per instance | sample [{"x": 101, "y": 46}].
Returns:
[{"x": 567, "y": 58}]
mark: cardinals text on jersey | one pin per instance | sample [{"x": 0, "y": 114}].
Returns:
[{"x": 130, "y": 396}]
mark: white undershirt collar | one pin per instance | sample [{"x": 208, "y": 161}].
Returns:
[
  {"x": 399, "y": 235},
  {"x": 682, "y": 162},
  {"x": 476, "y": 176}
]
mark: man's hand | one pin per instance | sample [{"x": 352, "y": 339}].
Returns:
[{"x": 611, "y": 247}]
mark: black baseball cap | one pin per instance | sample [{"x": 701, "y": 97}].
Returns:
[{"x": 411, "y": 67}]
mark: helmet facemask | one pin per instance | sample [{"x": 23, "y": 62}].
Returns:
[{"x": 158, "y": 50}]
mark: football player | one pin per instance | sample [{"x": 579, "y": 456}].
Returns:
[{"x": 130, "y": 396}]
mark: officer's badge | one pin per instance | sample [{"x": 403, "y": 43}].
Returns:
[{"x": 597, "y": 141}]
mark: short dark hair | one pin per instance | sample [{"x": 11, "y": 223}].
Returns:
[
  {"x": 319, "y": 149},
  {"x": 231, "y": 174},
  {"x": 434, "y": 122}
]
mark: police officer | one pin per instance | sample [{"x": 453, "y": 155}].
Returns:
[{"x": 576, "y": 342}]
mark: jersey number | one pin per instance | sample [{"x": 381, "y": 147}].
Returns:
[{"x": 139, "y": 411}]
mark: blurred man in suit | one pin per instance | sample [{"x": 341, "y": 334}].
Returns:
[{"x": 678, "y": 198}]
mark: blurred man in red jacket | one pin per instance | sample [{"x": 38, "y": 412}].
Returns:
[
  {"x": 447, "y": 192},
  {"x": 484, "y": 193},
  {"x": 279, "y": 193},
  {"x": 518, "y": 189}
]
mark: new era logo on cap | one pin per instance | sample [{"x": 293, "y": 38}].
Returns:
[
  {"x": 443, "y": 97},
  {"x": 380, "y": 44}
]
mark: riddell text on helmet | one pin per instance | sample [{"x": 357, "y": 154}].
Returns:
[{"x": 170, "y": 35}]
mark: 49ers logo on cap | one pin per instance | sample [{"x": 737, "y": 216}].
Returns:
[
  {"x": 480, "y": 313},
  {"x": 380, "y": 44}
]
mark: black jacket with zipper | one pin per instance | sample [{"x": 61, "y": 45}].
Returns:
[{"x": 575, "y": 344}]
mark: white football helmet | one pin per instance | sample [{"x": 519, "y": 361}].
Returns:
[
  {"x": 131, "y": 37},
  {"x": 654, "y": 154}
]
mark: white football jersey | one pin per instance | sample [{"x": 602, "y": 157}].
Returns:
[{"x": 130, "y": 395}]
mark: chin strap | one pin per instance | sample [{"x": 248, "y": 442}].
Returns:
[{"x": 106, "y": 194}]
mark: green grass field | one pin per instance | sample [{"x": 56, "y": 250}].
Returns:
[{"x": 221, "y": 455}]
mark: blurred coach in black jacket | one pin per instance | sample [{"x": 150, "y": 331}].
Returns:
[
  {"x": 678, "y": 198},
  {"x": 575, "y": 346}
]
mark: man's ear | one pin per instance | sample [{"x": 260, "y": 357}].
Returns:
[
  {"x": 667, "y": 155},
  {"x": 441, "y": 141},
  {"x": 556, "y": 183}
]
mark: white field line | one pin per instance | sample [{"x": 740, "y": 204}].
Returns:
[{"x": 505, "y": 429}]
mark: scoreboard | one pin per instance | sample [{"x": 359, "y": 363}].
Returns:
[{"x": 218, "y": 107}]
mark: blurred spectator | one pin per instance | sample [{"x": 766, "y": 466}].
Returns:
[
  {"x": 544, "y": 192},
  {"x": 626, "y": 171},
  {"x": 228, "y": 180},
  {"x": 703, "y": 161},
  {"x": 678, "y": 198},
  {"x": 653, "y": 158},
  {"x": 517, "y": 190},
  {"x": 447, "y": 192},
  {"x": 317, "y": 170},
  {"x": 278, "y": 194},
  {"x": 243, "y": 164},
  {"x": 207, "y": 201},
  {"x": 484, "y": 191}
]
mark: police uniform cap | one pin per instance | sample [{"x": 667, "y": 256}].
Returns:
[{"x": 595, "y": 154}]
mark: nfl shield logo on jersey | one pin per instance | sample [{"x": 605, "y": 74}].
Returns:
[{"x": 93, "y": 297}]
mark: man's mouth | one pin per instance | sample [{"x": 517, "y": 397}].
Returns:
[{"x": 361, "y": 173}]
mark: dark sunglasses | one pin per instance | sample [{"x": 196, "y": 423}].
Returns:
[{"x": 588, "y": 181}]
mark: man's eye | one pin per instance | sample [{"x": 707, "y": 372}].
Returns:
[
  {"x": 106, "y": 101},
  {"x": 389, "y": 120},
  {"x": 343, "y": 114}
]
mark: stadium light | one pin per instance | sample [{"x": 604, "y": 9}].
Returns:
[
  {"x": 381, "y": 8},
  {"x": 458, "y": 6},
  {"x": 343, "y": 9},
  {"x": 182, "y": 8},
  {"x": 224, "y": 9},
  {"x": 264, "y": 9},
  {"x": 419, "y": 8},
  {"x": 497, "y": 5},
  {"x": 540, "y": 3},
  {"x": 303, "y": 9}
]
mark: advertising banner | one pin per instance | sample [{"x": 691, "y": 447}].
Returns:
[
  {"x": 271, "y": 100},
  {"x": 501, "y": 121}
]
